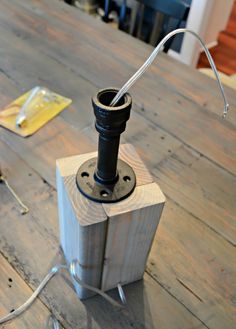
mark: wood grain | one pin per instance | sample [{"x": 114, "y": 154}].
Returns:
[
  {"x": 131, "y": 228},
  {"x": 196, "y": 265},
  {"x": 13, "y": 293},
  {"x": 83, "y": 224},
  {"x": 201, "y": 188}
]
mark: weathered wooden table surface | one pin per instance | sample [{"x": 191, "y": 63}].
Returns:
[{"x": 176, "y": 127}]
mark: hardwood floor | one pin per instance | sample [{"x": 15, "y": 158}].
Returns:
[{"x": 224, "y": 54}]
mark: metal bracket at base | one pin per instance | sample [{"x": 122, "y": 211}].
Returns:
[{"x": 92, "y": 189}]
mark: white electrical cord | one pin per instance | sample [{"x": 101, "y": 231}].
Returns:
[
  {"x": 35, "y": 294},
  {"x": 153, "y": 55},
  {"x": 48, "y": 277}
]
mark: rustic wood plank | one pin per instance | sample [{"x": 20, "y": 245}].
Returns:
[
  {"x": 50, "y": 143},
  {"x": 56, "y": 140},
  {"x": 83, "y": 225},
  {"x": 131, "y": 227},
  {"x": 30, "y": 244},
  {"x": 202, "y": 188},
  {"x": 13, "y": 293},
  {"x": 196, "y": 265}
]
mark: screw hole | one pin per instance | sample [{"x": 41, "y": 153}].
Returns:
[
  {"x": 10, "y": 279},
  {"x": 126, "y": 178},
  {"x": 84, "y": 174},
  {"x": 11, "y": 311},
  {"x": 104, "y": 193}
]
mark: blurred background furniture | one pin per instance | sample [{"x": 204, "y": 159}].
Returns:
[
  {"x": 152, "y": 20},
  {"x": 148, "y": 20},
  {"x": 89, "y": 6},
  {"x": 208, "y": 18}
]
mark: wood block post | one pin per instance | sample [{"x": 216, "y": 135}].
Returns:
[{"x": 110, "y": 241}]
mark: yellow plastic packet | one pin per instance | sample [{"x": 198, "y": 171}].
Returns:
[{"x": 31, "y": 111}]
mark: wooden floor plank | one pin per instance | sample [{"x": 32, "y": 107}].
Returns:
[
  {"x": 202, "y": 188},
  {"x": 48, "y": 145},
  {"x": 196, "y": 266},
  {"x": 31, "y": 245},
  {"x": 13, "y": 293},
  {"x": 57, "y": 139}
]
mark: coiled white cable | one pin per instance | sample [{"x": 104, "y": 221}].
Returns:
[
  {"x": 153, "y": 55},
  {"x": 48, "y": 277}
]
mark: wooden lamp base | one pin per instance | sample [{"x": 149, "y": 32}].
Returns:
[{"x": 110, "y": 241}]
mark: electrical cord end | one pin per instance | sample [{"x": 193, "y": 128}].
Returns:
[{"x": 226, "y": 109}]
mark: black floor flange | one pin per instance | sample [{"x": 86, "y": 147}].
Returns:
[{"x": 95, "y": 191}]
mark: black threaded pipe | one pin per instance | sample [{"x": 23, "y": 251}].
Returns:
[{"x": 110, "y": 123}]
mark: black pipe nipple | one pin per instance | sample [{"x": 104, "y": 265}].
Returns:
[{"x": 107, "y": 178}]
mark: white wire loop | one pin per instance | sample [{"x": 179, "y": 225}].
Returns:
[
  {"x": 72, "y": 270},
  {"x": 24, "y": 209},
  {"x": 51, "y": 319},
  {"x": 153, "y": 55},
  {"x": 121, "y": 293}
]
